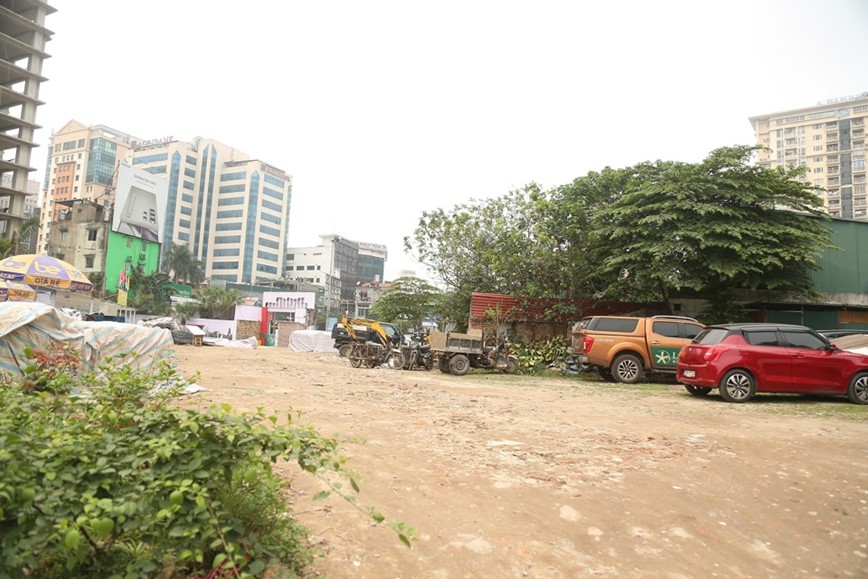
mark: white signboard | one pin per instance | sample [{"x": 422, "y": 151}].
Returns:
[{"x": 140, "y": 204}]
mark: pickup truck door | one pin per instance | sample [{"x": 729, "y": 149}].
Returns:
[{"x": 665, "y": 340}]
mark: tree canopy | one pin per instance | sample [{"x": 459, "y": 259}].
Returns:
[
  {"x": 149, "y": 293},
  {"x": 637, "y": 233},
  {"x": 183, "y": 266},
  {"x": 217, "y": 302},
  {"x": 711, "y": 227},
  {"x": 411, "y": 300}
]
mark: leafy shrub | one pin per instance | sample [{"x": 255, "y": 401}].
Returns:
[
  {"x": 536, "y": 356},
  {"x": 112, "y": 482}
]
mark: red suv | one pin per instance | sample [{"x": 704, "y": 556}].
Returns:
[{"x": 743, "y": 359}]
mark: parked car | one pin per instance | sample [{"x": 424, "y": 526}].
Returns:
[
  {"x": 743, "y": 359},
  {"x": 832, "y": 334}
]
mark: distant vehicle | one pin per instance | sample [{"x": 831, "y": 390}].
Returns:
[
  {"x": 743, "y": 359},
  {"x": 832, "y": 334},
  {"x": 623, "y": 349},
  {"x": 344, "y": 341}
]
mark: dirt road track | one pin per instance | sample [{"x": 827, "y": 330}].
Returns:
[{"x": 510, "y": 476}]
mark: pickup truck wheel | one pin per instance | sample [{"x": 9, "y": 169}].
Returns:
[
  {"x": 345, "y": 350},
  {"x": 627, "y": 369},
  {"x": 697, "y": 390},
  {"x": 605, "y": 374},
  {"x": 459, "y": 364}
]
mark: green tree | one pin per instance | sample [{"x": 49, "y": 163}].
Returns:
[
  {"x": 710, "y": 227},
  {"x": 149, "y": 292},
  {"x": 512, "y": 244},
  {"x": 183, "y": 266},
  {"x": 410, "y": 299},
  {"x": 217, "y": 302},
  {"x": 21, "y": 238}
]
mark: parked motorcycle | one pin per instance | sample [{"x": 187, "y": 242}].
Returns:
[{"x": 417, "y": 353}]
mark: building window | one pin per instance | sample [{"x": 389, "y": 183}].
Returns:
[
  {"x": 88, "y": 261},
  {"x": 91, "y": 234},
  {"x": 64, "y": 235}
]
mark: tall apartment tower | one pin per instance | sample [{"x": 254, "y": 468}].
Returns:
[
  {"x": 231, "y": 211},
  {"x": 82, "y": 163},
  {"x": 23, "y": 38},
  {"x": 829, "y": 139}
]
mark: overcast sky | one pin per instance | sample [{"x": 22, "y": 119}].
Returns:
[{"x": 382, "y": 110}]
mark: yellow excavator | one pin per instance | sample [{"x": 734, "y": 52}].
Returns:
[{"x": 372, "y": 344}]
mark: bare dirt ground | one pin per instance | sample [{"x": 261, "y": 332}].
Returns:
[{"x": 513, "y": 476}]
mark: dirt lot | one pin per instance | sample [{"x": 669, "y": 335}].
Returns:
[{"x": 510, "y": 476}]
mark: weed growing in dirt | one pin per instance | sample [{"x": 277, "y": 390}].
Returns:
[{"x": 102, "y": 478}]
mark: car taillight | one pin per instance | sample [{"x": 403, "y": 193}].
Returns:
[
  {"x": 587, "y": 343},
  {"x": 712, "y": 354}
]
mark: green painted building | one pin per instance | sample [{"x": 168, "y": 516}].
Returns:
[{"x": 125, "y": 253}]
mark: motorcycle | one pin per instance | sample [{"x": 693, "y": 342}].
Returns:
[
  {"x": 417, "y": 353},
  {"x": 500, "y": 358}
]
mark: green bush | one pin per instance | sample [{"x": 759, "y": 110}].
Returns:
[
  {"x": 110, "y": 481},
  {"x": 536, "y": 356}
]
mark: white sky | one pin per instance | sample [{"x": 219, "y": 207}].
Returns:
[{"x": 383, "y": 109}]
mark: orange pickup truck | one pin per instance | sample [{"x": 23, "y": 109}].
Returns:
[{"x": 624, "y": 349}]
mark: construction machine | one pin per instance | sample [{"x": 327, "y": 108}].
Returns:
[
  {"x": 458, "y": 353},
  {"x": 372, "y": 344}
]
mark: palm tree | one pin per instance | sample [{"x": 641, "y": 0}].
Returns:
[
  {"x": 21, "y": 238},
  {"x": 149, "y": 292},
  {"x": 183, "y": 266},
  {"x": 217, "y": 302}
]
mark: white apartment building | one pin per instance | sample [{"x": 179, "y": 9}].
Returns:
[
  {"x": 230, "y": 210},
  {"x": 829, "y": 139},
  {"x": 337, "y": 265}
]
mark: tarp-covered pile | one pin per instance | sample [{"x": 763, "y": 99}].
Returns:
[
  {"x": 43, "y": 327},
  {"x": 311, "y": 341}
]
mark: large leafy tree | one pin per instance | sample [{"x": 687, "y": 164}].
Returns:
[
  {"x": 511, "y": 244},
  {"x": 183, "y": 266},
  {"x": 710, "y": 227},
  {"x": 411, "y": 300}
]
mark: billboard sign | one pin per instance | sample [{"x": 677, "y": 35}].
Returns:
[{"x": 140, "y": 204}]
